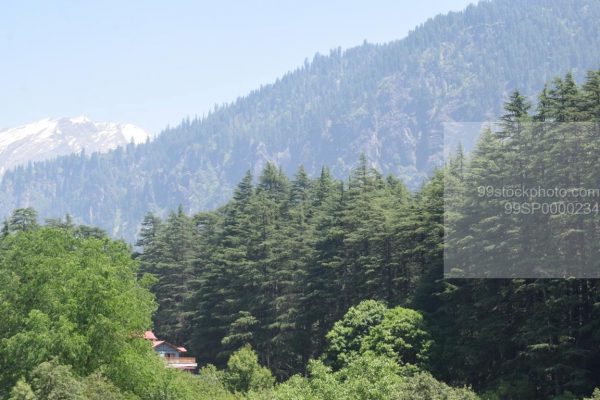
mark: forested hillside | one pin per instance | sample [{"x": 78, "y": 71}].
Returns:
[
  {"x": 311, "y": 289},
  {"x": 385, "y": 101},
  {"x": 285, "y": 259}
]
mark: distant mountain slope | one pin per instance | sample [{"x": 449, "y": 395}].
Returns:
[
  {"x": 50, "y": 138},
  {"x": 387, "y": 101}
]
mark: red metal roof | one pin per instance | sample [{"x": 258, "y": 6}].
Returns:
[{"x": 149, "y": 335}]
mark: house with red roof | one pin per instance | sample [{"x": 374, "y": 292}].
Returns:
[{"x": 172, "y": 354}]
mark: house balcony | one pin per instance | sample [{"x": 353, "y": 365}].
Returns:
[{"x": 187, "y": 363}]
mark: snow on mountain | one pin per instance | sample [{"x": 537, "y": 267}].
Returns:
[{"x": 50, "y": 138}]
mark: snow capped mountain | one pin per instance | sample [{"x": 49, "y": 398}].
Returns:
[{"x": 50, "y": 138}]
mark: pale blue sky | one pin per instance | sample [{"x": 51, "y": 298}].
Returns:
[{"x": 152, "y": 63}]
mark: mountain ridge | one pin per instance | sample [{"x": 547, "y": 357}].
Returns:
[
  {"x": 386, "y": 101},
  {"x": 49, "y": 138}
]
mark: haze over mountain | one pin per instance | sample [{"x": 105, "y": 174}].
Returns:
[
  {"x": 387, "y": 101},
  {"x": 50, "y": 138}
]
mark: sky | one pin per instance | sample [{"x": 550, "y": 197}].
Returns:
[{"x": 153, "y": 63}]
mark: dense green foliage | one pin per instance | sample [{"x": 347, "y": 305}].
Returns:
[
  {"x": 529, "y": 338},
  {"x": 386, "y": 101},
  {"x": 74, "y": 306},
  {"x": 346, "y": 337},
  {"x": 72, "y": 312},
  {"x": 262, "y": 270},
  {"x": 368, "y": 378},
  {"x": 398, "y": 334},
  {"x": 336, "y": 285},
  {"x": 244, "y": 373},
  {"x": 284, "y": 260},
  {"x": 555, "y": 148}
]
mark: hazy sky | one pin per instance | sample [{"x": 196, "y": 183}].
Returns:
[{"x": 154, "y": 62}]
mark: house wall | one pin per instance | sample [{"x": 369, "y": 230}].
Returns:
[{"x": 166, "y": 350}]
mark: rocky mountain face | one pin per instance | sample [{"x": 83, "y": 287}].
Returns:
[
  {"x": 49, "y": 138},
  {"x": 386, "y": 101}
]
